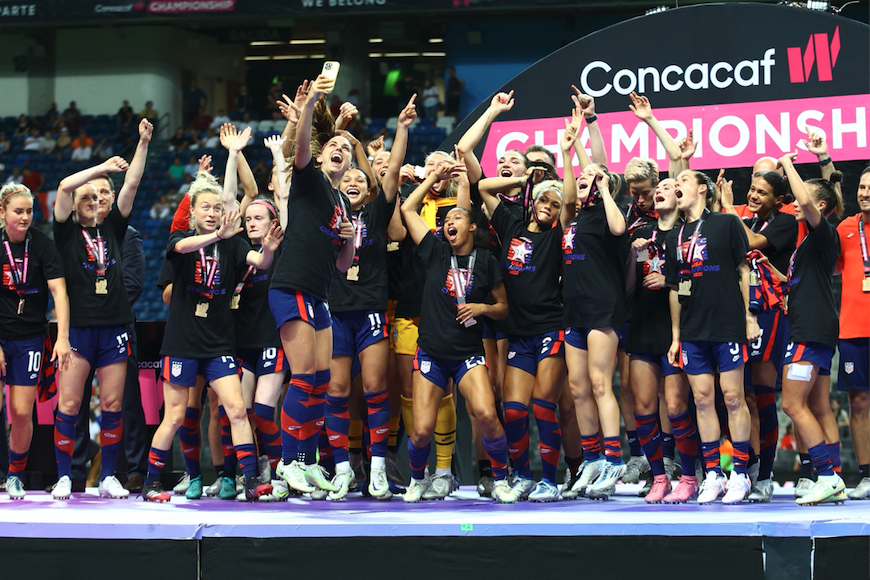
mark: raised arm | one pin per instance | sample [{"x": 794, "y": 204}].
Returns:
[
  {"x": 320, "y": 86},
  {"x": 500, "y": 103},
  {"x": 234, "y": 143},
  {"x": 64, "y": 204},
  {"x": 582, "y": 156},
  {"x": 687, "y": 149},
  {"x": 397, "y": 153},
  {"x": 596, "y": 139},
  {"x": 416, "y": 225},
  {"x": 801, "y": 195},
  {"x": 271, "y": 242},
  {"x": 642, "y": 110},
  {"x": 359, "y": 153},
  {"x": 816, "y": 145},
  {"x": 345, "y": 115},
  {"x": 134, "y": 173},
  {"x": 615, "y": 219},
  {"x": 227, "y": 230},
  {"x": 275, "y": 144},
  {"x": 247, "y": 179},
  {"x": 569, "y": 182}
]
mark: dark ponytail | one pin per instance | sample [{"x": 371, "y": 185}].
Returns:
[{"x": 826, "y": 190}]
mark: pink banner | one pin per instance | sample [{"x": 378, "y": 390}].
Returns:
[{"x": 727, "y": 135}]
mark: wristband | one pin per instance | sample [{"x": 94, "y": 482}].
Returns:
[
  {"x": 591, "y": 119},
  {"x": 217, "y": 233},
  {"x": 825, "y": 161}
]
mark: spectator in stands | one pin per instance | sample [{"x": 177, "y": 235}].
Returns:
[
  {"x": 202, "y": 121},
  {"x": 272, "y": 98},
  {"x": 245, "y": 123},
  {"x": 14, "y": 177},
  {"x": 72, "y": 118},
  {"x": 194, "y": 99},
  {"x": 176, "y": 170},
  {"x": 51, "y": 114},
  {"x": 190, "y": 169},
  {"x": 179, "y": 141},
  {"x": 211, "y": 139},
  {"x": 5, "y": 144},
  {"x": 64, "y": 141},
  {"x": 104, "y": 149},
  {"x": 33, "y": 141},
  {"x": 431, "y": 99},
  {"x": 174, "y": 197},
  {"x": 455, "y": 86},
  {"x": 149, "y": 112},
  {"x": 22, "y": 126},
  {"x": 161, "y": 209},
  {"x": 124, "y": 117},
  {"x": 48, "y": 143},
  {"x": 788, "y": 440},
  {"x": 83, "y": 153},
  {"x": 32, "y": 179},
  {"x": 220, "y": 119},
  {"x": 82, "y": 141},
  {"x": 405, "y": 88}
]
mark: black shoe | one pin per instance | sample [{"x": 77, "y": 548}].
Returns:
[
  {"x": 134, "y": 483},
  {"x": 254, "y": 488},
  {"x": 154, "y": 492}
]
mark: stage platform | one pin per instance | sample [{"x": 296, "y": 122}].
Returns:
[{"x": 780, "y": 532}]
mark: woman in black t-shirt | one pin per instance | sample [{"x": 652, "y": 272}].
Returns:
[
  {"x": 457, "y": 287},
  {"x": 531, "y": 260},
  {"x": 358, "y": 302},
  {"x": 813, "y": 328},
  {"x": 31, "y": 267},
  {"x": 318, "y": 231},
  {"x": 199, "y": 340},
  {"x": 595, "y": 248},
  {"x": 774, "y": 234}
]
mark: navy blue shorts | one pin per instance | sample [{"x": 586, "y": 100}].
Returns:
[
  {"x": 703, "y": 357},
  {"x": 854, "y": 364},
  {"x": 355, "y": 330},
  {"x": 526, "y": 352},
  {"x": 659, "y": 360},
  {"x": 576, "y": 337},
  {"x": 439, "y": 371},
  {"x": 769, "y": 346},
  {"x": 489, "y": 330},
  {"x": 183, "y": 371},
  {"x": 100, "y": 345},
  {"x": 263, "y": 361},
  {"x": 814, "y": 352},
  {"x": 288, "y": 304},
  {"x": 23, "y": 361}
]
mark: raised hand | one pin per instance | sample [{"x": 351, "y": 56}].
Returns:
[
  {"x": 238, "y": 142},
  {"x": 408, "y": 114},
  {"x": 273, "y": 238},
  {"x": 585, "y": 102},
  {"x": 376, "y": 146},
  {"x": 289, "y": 109},
  {"x": 228, "y": 133},
  {"x": 146, "y": 129},
  {"x": 321, "y": 86},
  {"x": 448, "y": 169},
  {"x": 115, "y": 165},
  {"x": 640, "y": 107},
  {"x": 228, "y": 225},
  {"x": 571, "y": 134},
  {"x": 687, "y": 146},
  {"x": 816, "y": 144},
  {"x": 787, "y": 159},
  {"x": 502, "y": 102},
  {"x": 406, "y": 173},
  {"x": 205, "y": 164},
  {"x": 349, "y": 136},
  {"x": 274, "y": 142},
  {"x": 726, "y": 193}
]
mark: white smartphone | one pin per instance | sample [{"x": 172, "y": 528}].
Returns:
[
  {"x": 330, "y": 70},
  {"x": 419, "y": 172}
]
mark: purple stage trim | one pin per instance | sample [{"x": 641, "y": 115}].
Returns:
[{"x": 464, "y": 514}]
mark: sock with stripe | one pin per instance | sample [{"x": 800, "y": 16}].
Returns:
[
  {"x": 445, "y": 433},
  {"x": 591, "y": 446},
  {"x": 270, "y": 435},
  {"x": 741, "y": 456},
  {"x": 111, "y": 430},
  {"x": 337, "y": 426},
  {"x": 516, "y": 429},
  {"x": 496, "y": 448},
  {"x": 64, "y": 442},
  {"x": 246, "y": 455},
  {"x": 768, "y": 429},
  {"x": 293, "y": 412},
  {"x": 191, "y": 441},
  {"x": 315, "y": 416},
  {"x": 230, "y": 462},
  {"x": 834, "y": 454},
  {"x": 550, "y": 436},
  {"x": 380, "y": 424},
  {"x": 418, "y": 459},
  {"x": 821, "y": 459},
  {"x": 156, "y": 462},
  {"x": 712, "y": 461},
  {"x": 686, "y": 435},
  {"x": 17, "y": 462},
  {"x": 613, "y": 450},
  {"x": 651, "y": 440}
]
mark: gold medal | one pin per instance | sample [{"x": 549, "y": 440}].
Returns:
[
  {"x": 684, "y": 288},
  {"x": 202, "y": 309},
  {"x": 234, "y": 302},
  {"x": 353, "y": 273},
  {"x": 866, "y": 285},
  {"x": 21, "y": 306},
  {"x": 102, "y": 286},
  {"x": 785, "y": 304},
  {"x": 753, "y": 279}
]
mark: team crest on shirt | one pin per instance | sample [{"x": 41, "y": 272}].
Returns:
[
  {"x": 425, "y": 366},
  {"x": 9, "y": 280},
  {"x": 518, "y": 255},
  {"x": 448, "y": 284},
  {"x": 656, "y": 262},
  {"x": 849, "y": 367},
  {"x": 334, "y": 223},
  {"x": 699, "y": 257},
  {"x": 176, "y": 368},
  {"x": 568, "y": 252}
]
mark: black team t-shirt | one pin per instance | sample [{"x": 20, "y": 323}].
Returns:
[
  {"x": 650, "y": 330},
  {"x": 87, "y": 308},
  {"x": 311, "y": 240},
  {"x": 441, "y": 335},
  {"x": 365, "y": 286},
  {"x": 255, "y": 325},
  {"x": 715, "y": 310},
  {"x": 531, "y": 265},
  {"x": 812, "y": 311},
  {"x": 188, "y": 335},
  {"x": 44, "y": 263},
  {"x": 593, "y": 272},
  {"x": 781, "y": 231}
]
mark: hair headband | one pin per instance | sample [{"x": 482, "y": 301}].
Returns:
[{"x": 268, "y": 205}]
